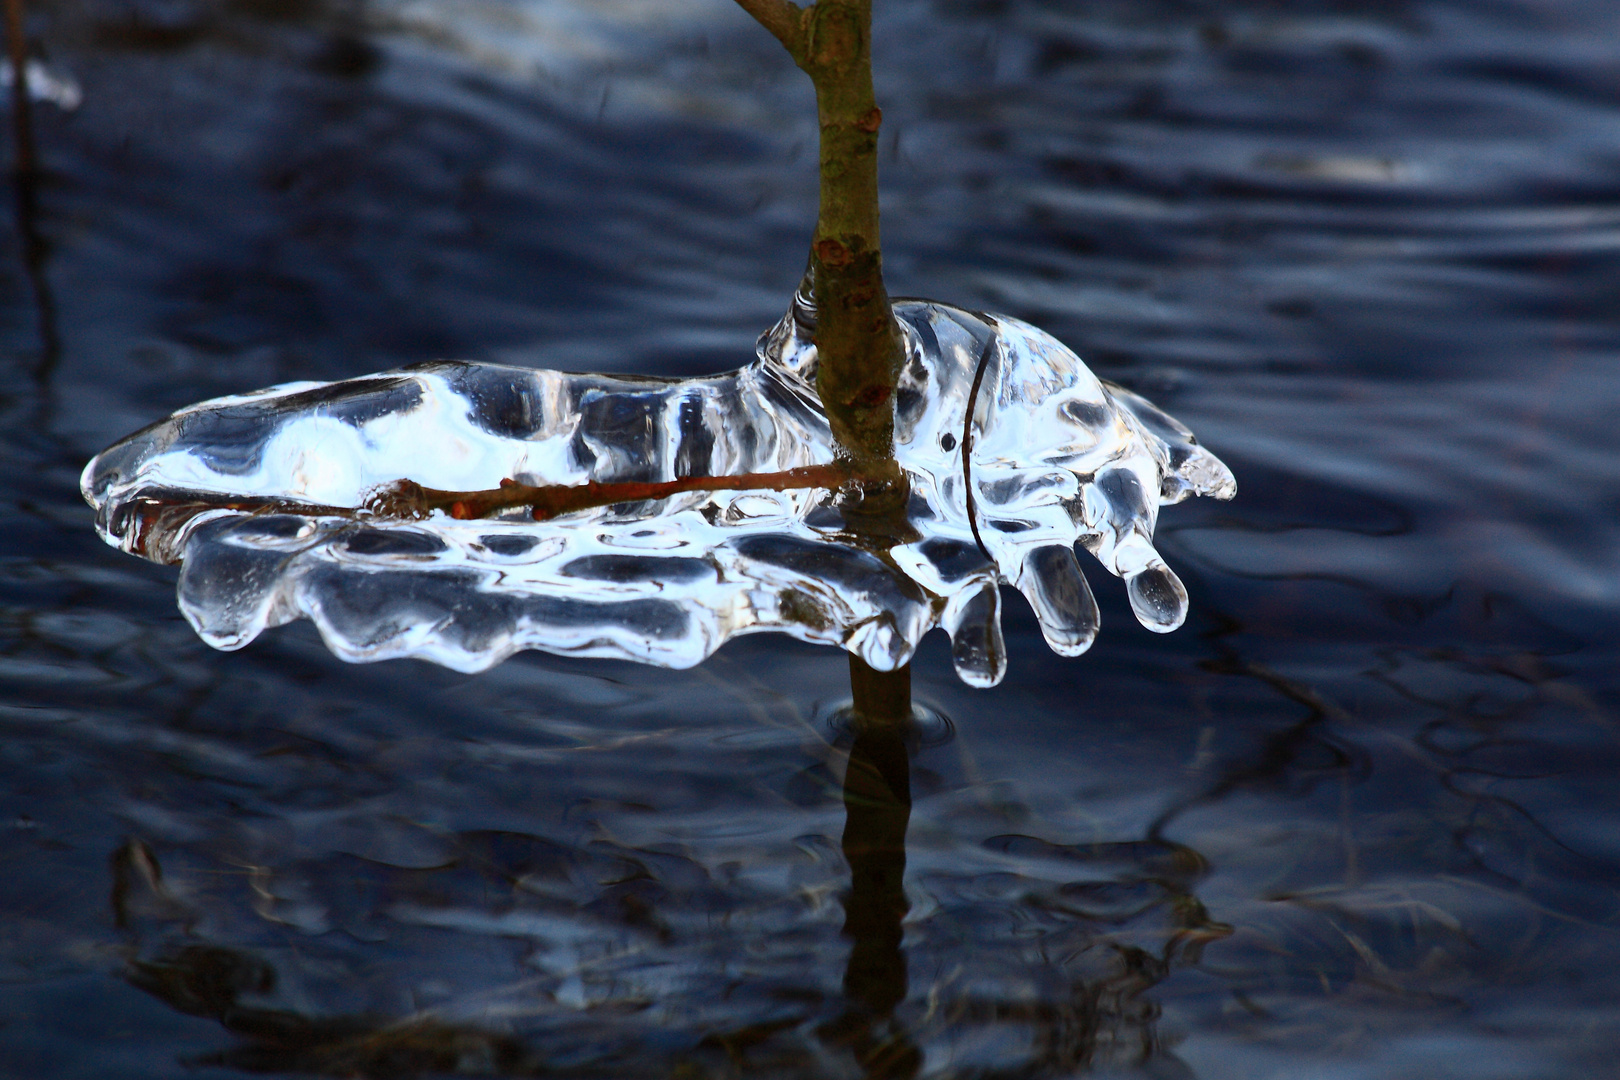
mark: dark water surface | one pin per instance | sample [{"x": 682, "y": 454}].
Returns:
[{"x": 1359, "y": 818}]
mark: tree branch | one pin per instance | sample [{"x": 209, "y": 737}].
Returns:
[
  {"x": 858, "y": 342},
  {"x": 408, "y": 499},
  {"x": 784, "y": 19}
]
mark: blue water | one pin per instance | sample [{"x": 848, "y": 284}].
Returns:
[{"x": 1356, "y": 819}]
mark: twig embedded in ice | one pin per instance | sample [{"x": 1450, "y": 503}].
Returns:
[
  {"x": 410, "y": 501},
  {"x": 399, "y": 511}
]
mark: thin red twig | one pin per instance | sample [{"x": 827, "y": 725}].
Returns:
[{"x": 408, "y": 499}]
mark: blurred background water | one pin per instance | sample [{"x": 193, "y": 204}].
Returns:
[{"x": 1356, "y": 819}]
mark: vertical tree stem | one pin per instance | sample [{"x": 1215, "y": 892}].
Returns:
[
  {"x": 858, "y": 349},
  {"x": 858, "y": 344}
]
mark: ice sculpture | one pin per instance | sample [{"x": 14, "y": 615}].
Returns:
[{"x": 280, "y": 504}]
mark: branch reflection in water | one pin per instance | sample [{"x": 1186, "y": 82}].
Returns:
[
  {"x": 877, "y": 808},
  {"x": 26, "y": 177},
  {"x": 560, "y": 955}
]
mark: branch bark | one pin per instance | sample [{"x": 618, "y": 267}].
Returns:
[
  {"x": 858, "y": 344},
  {"x": 408, "y": 499}
]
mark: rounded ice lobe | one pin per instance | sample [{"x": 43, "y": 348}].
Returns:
[
  {"x": 267, "y": 502},
  {"x": 1158, "y": 598}
]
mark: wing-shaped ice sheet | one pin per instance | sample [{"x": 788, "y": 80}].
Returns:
[{"x": 260, "y": 498}]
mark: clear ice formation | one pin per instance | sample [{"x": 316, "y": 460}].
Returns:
[{"x": 234, "y": 489}]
